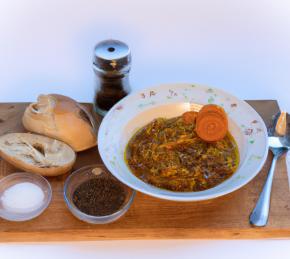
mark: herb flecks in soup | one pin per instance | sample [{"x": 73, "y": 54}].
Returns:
[{"x": 169, "y": 154}]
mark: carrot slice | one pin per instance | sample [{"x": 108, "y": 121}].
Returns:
[
  {"x": 209, "y": 108},
  {"x": 211, "y": 123},
  {"x": 189, "y": 117}
]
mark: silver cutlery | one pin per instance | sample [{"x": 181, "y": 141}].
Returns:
[{"x": 278, "y": 146}]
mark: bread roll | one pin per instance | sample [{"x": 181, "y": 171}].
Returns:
[
  {"x": 37, "y": 154},
  {"x": 63, "y": 118}
]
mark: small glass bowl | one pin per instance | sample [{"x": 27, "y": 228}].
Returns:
[
  {"x": 22, "y": 177},
  {"x": 84, "y": 174}
]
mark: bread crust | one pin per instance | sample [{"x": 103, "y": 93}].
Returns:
[
  {"x": 16, "y": 160},
  {"x": 62, "y": 118}
]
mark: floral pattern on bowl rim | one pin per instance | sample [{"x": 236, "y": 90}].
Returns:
[{"x": 247, "y": 119}]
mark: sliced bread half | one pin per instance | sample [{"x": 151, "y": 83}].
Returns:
[{"x": 36, "y": 153}]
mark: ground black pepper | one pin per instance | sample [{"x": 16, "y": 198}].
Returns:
[
  {"x": 110, "y": 91},
  {"x": 99, "y": 196},
  {"x": 111, "y": 63}
]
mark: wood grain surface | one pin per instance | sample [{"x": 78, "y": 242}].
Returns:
[{"x": 150, "y": 218}]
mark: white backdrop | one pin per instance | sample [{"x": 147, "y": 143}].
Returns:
[{"x": 242, "y": 46}]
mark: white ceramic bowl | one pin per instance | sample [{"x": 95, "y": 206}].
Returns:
[{"x": 170, "y": 100}]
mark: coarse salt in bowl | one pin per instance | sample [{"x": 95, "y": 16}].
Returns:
[{"x": 23, "y": 196}]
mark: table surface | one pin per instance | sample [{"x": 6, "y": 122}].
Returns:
[
  {"x": 152, "y": 218},
  {"x": 240, "y": 46}
]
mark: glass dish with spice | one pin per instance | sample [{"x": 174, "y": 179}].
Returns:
[{"x": 93, "y": 195}]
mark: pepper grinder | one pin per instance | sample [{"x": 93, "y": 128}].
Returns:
[{"x": 111, "y": 63}]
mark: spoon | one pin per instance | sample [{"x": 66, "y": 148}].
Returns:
[{"x": 278, "y": 146}]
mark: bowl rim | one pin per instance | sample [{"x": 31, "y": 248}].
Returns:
[
  {"x": 90, "y": 218},
  {"x": 181, "y": 198}
]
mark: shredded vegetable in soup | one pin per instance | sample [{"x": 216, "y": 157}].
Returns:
[{"x": 168, "y": 154}]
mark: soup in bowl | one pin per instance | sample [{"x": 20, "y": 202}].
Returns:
[{"x": 181, "y": 166}]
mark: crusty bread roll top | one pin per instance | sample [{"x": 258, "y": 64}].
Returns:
[{"x": 63, "y": 118}]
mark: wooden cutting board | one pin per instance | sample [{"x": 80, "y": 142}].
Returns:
[{"x": 150, "y": 218}]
